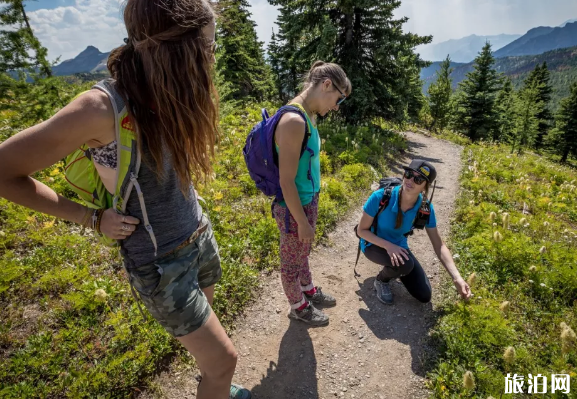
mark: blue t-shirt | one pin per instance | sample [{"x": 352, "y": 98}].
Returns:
[{"x": 388, "y": 218}]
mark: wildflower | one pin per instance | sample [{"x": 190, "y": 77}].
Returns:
[
  {"x": 494, "y": 224},
  {"x": 527, "y": 225},
  {"x": 492, "y": 215},
  {"x": 506, "y": 219},
  {"x": 323, "y": 141},
  {"x": 218, "y": 196},
  {"x": 528, "y": 188},
  {"x": 2, "y": 234},
  {"x": 468, "y": 380},
  {"x": 504, "y": 306},
  {"x": 456, "y": 256},
  {"x": 100, "y": 295},
  {"x": 472, "y": 202},
  {"x": 542, "y": 285},
  {"x": 509, "y": 355},
  {"x": 522, "y": 221},
  {"x": 497, "y": 237},
  {"x": 531, "y": 281},
  {"x": 542, "y": 250},
  {"x": 533, "y": 269},
  {"x": 568, "y": 339},
  {"x": 472, "y": 279},
  {"x": 546, "y": 224},
  {"x": 218, "y": 209}
]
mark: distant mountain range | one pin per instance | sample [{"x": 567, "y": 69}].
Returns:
[
  {"x": 464, "y": 49},
  {"x": 562, "y": 64},
  {"x": 91, "y": 60},
  {"x": 535, "y": 41},
  {"x": 540, "y": 40}
]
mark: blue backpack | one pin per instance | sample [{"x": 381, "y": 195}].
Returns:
[{"x": 261, "y": 157}]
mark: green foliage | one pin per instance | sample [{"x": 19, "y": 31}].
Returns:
[
  {"x": 532, "y": 268},
  {"x": 240, "y": 57},
  {"x": 527, "y": 109},
  {"x": 365, "y": 39},
  {"x": 540, "y": 79},
  {"x": 505, "y": 107},
  {"x": 440, "y": 97},
  {"x": 475, "y": 113},
  {"x": 17, "y": 42},
  {"x": 563, "y": 138}
]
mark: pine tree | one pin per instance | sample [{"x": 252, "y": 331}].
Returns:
[
  {"x": 477, "y": 116},
  {"x": 540, "y": 77},
  {"x": 505, "y": 106},
  {"x": 526, "y": 128},
  {"x": 440, "y": 96},
  {"x": 563, "y": 138},
  {"x": 364, "y": 38},
  {"x": 240, "y": 58},
  {"x": 20, "y": 50}
]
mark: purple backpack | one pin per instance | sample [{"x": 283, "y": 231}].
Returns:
[{"x": 261, "y": 157}]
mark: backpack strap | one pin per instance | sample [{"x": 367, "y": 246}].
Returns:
[
  {"x": 128, "y": 156},
  {"x": 382, "y": 205}
]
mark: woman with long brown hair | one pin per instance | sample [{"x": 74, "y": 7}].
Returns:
[{"x": 162, "y": 76}]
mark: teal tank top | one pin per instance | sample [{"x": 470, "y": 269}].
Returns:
[{"x": 307, "y": 188}]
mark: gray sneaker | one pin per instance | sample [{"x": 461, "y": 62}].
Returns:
[
  {"x": 238, "y": 392},
  {"x": 309, "y": 315},
  {"x": 321, "y": 298},
  {"x": 384, "y": 293}
]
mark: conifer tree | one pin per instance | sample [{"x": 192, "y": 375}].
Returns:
[
  {"x": 240, "y": 58},
  {"x": 540, "y": 77},
  {"x": 365, "y": 39},
  {"x": 505, "y": 108},
  {"x": 477, "y": 108},
  {"x": 440, "y": 96},
  {"x": 563, "y": 138}
]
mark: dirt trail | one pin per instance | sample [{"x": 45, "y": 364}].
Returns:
[{"x": 368, "y": 350}]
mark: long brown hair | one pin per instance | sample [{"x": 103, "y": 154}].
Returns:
[
  {"x": 164, "y": 72},
  {"x": 321, "y": 71},
  {"x": 399, "y": 220}
]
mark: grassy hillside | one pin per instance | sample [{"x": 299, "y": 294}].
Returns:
[
  {"x": 515, "y": 236},
  {"x": 59, "y": 339}
]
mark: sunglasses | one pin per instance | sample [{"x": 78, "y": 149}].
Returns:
[
  {"x": 343, "y": 97},
  {"x": 418, "y": 179}
]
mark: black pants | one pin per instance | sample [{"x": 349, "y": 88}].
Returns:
[{"x": 411, "y": 273}]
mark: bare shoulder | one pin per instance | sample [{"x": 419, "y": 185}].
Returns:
[{"x": 291, "y": 124}]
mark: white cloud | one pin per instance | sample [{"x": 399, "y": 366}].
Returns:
[{"x": 66, "y": 31}]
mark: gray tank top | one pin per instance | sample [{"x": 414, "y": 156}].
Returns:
[{"x": 172, "y": 215}]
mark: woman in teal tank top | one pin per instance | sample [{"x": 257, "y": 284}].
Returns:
[{"x": 326, "y": 86}]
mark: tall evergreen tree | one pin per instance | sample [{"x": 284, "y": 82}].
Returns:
[
  {"x": 539, "y": 78},
  {"x": 20, "y": 50},
  {"x": 240, "y": 59},
  {"x": 440, "y": 96},
  {"x": 505, "y": 106},
  {"x": 365, "y": 39},
  {"x": 563, "y": 138},
  {"x": 477, "y": 109},
  {"x": 527, "y": 108}
]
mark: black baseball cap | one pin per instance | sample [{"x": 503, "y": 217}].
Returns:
[{"x": 424, "y": 168}]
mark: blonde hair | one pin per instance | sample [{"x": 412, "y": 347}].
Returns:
[{"x": 321, "y": 71}]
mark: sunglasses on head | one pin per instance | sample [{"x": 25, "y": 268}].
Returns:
[
  {"x": 417, "y": 178},
  {"x": 343, "y": 97}
]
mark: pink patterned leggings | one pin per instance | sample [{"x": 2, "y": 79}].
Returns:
[{"x": 294, "y": 255}]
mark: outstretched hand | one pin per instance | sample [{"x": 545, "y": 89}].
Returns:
[{"x": 463, "y": 288}]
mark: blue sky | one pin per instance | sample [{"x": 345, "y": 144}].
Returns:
[{"x": 66, "y": 27}]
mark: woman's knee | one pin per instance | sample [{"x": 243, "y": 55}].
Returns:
[
  {"x": 424, "y": 297},
  {"x": 224, "y": 367}
]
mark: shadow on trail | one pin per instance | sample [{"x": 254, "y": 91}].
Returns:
[
  {"x": 407, "y": 321},
  {"x": 295, "y": 374}
]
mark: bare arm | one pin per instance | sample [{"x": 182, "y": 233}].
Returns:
[
  {"x": 396, "y": 252},
  {"x": 88, "y": 118},
  {"x": 446, "y": 259},
  {"x": 290, "y": 133}
]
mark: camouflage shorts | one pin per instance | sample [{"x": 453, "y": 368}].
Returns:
[{"x": 170, "y": 287}]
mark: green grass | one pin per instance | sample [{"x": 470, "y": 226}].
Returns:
[
  {"x": 57, "y": 339},
  {"x": 534, "y": 268}
]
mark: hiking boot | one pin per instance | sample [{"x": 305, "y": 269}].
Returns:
[
  {"x": 321, "y": 298},
  {"x": 310, "y": 315},
  {"x": 384, "y": 293},
  {"x": 238, "y": 392}
]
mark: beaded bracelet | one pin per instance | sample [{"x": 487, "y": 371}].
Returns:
[{"x": 98, "y": 219}]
